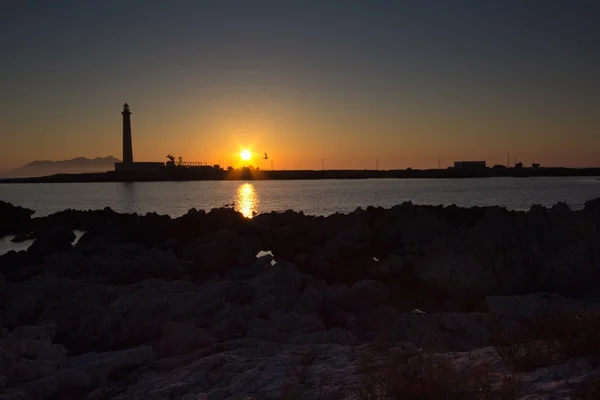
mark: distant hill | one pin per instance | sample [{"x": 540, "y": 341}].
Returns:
[{"x": 72, "y": 166}]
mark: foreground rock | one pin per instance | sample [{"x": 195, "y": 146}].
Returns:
[
  {"x": 14, "y": 219},
  {"x": 153, "y": 307},
  {"x": 56, "y": 240},
  {"x": 35, "y": 368}
]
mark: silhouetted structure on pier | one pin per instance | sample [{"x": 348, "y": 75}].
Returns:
[
  {"x": 470, "y": 165},
  {"x": 127, "y": 145},
  {"x": 128, "y": 165}
]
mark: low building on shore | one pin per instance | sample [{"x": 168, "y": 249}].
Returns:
[{"x": 470, "y": 165}]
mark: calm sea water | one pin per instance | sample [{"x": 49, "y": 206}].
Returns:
[{"x": 316, "y": 197}]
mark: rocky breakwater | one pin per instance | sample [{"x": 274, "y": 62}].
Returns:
[{"x": 151, "y": 307}]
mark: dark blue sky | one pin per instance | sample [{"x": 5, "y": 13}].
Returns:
[{"x": 347, "y": 80}]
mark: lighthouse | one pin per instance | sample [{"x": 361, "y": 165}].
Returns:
[
  {"x": 127, "y": 166},
  {"x": 127, "y": 146}
]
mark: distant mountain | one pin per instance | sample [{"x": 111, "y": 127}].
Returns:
[{"x": 72, "y": 166}]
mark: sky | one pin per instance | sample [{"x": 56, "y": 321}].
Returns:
[{"x": 351, "y": 84}]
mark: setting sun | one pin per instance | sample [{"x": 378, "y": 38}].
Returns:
[{"x": 246, "y": 155}]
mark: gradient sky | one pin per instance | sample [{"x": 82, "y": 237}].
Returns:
[{"x": 348, "y": 81}]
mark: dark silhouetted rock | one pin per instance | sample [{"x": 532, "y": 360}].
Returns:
[
  {"x": 532, "y": 305},
  {"x": 592, "y": 207},
  {"x": 560, "y": 208},
  {"x": 393, "y": 265},
  {"x": 14, "y": 219},
  {"x": 78, "y": 219},
  {"x": 570, "y": 270},
  {"x": 23, "y": 238},
  {"x": 183, "y": 337},
  {"x": 12, "y": 262},
  {"x": 52, "y": 241},
  {"x": 87, "y": 321},
  {"x": 370, "y": 293},
  {"x": 220, "y": 251}
]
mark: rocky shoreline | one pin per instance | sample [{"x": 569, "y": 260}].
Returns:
[{"x": 151, "y": 307}]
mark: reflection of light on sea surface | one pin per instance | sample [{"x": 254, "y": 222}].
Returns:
[{"x": 246, "y": 200}]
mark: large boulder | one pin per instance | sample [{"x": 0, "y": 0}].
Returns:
[
  {"x": 445, "y": 332},
  {"x": 490, "y": 257},
  {"x": 424, "y": 226},
  {"x": 335, "y": 335},
  {"x": 132, "y": 319},
  {"x": 118, "y": 264},
  {"x": 14, "y": 219},
  {"x": 391, "y": 267},
  {"x": 161, "y": 264},
  {"x": 79, "y": 375},
  {"x": 137, "y": 315},
  {"x": 370, "y": 293},
  {"x": 247, "y": 273},
  {"x": 55, "y": 240},
  {"x": 100, "y": 365},
  {"x": 23, "y": 238},
  {"x": 183, "y": 337},
  {"x": 86, "y": 220},
  {"x": 129, "y": 263},
  {"x": 79, "y": 304},
  {"x": 311, "y": 301},
  {"x": 11, "y": 263},
  {"x": 282, "y": 280},
  {"x": 27, "y": 353},
  {"x": 386, "y": 234},
  {"x": 23, "y": 302},
  {"x": 297, "y": 324},
  {"x": 455, "y": 272},
  {"x": 570, "y": 270},
  {"x": 339, "y": 296},
  {"x": 532, "y": 305},
  {"x": 220, "y": 251},
  {"x": 150, "y": 230},
  {"x": 593, "y": 206}
]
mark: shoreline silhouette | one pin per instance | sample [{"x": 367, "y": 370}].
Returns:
[{"x": 218, "y": 174}]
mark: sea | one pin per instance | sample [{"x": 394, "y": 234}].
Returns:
[{"x": 313, "y": 197}]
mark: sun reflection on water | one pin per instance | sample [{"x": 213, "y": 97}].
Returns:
[{"x": 246, "y": 200}]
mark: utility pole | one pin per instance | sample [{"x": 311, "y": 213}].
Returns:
[
  {"x": 323, "y": 164},
  {"x": 376, "y": 165},
  {"x": 515, "y": 163},
  {"x": 508, "y": 160},
  {"x": 439, "y": 164}
]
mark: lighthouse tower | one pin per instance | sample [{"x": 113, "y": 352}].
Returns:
[
  {"x": 128, "y": 167},
  {"x": 127, "y": 146}
]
